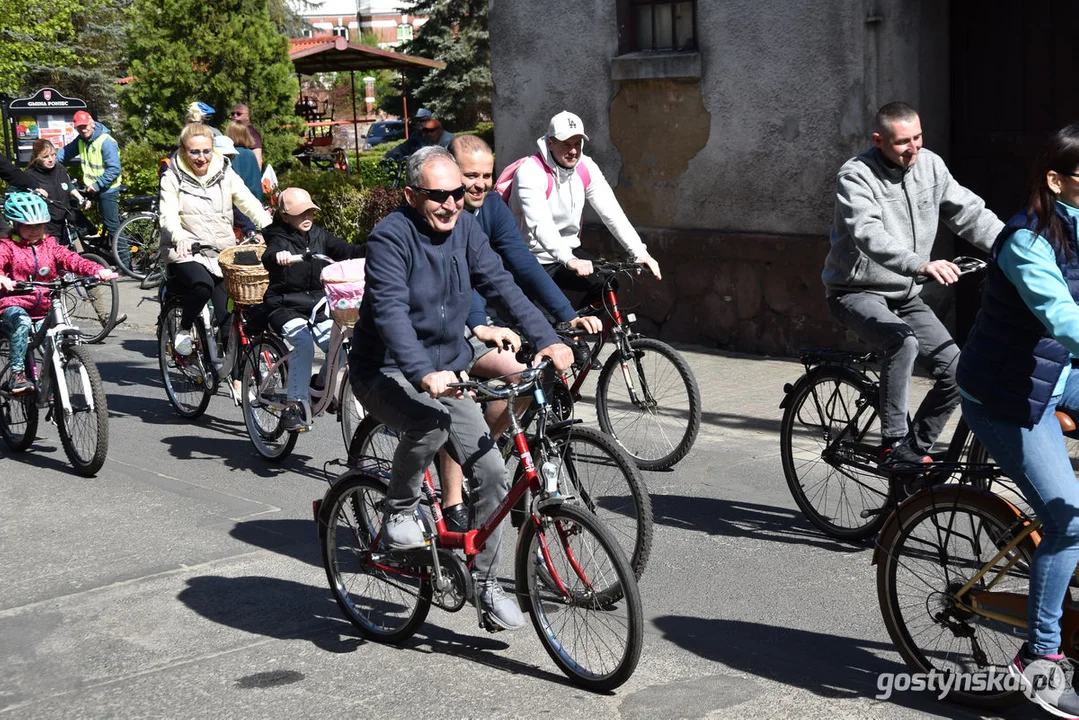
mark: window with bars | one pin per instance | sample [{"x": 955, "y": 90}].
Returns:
[
  {"x": 658, "y": 25},
  {"x": 341, "y": 31},
  {"x": 404, "y": 32}
]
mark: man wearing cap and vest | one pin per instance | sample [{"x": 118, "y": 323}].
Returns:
[
  {"x": 100, "y": 156},
  {"x": 547, "y": 196}
]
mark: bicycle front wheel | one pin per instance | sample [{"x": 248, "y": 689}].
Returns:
[
  {"x": 592, "y": 467},
  {"x": 386, "y": 601},
  {"x": 84, "y": 423},
  {"x": 18, "y": 413},
  {"x": 135, "y": 245},
  {"x": 939, "y": 540},
  {"x": 575, "y": 582},
  {"x": 831, "y": 492},
  {"x": 260, "y": 383},
  {"x": 650, "y": 403},
  {"x": 374, "y": 440},
  {"x": 93, "y": 309},
  {"x": 186, "y": 377}
]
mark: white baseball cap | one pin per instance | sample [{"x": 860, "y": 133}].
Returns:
[
  {"x": 224, "y": 145},
  {"x": 565, "y": 125}
]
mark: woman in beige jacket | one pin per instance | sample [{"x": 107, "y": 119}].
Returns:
[{"x": 198, "y": 191}]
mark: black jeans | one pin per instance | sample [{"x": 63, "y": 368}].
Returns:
[{"x": 195, "y": 284}]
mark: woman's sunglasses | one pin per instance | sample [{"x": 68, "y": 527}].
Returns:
[
  {"x": 440, "y": 196},
  {"x": 195, "y": 153}
]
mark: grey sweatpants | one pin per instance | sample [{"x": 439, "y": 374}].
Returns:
[
  {"x": 425, "y": 425},
  {"x": 903, "y": 331}
]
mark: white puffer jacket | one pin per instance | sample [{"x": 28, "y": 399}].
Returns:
[{"x": 199, "y": 209}]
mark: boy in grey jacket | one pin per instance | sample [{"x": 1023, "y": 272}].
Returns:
[{"x": 886, "y": 215}]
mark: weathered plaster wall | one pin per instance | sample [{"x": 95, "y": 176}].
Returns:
[{"x": 730, "y": 174}]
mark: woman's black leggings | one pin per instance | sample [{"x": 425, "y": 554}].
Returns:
[{"x": 195, "y": 284}]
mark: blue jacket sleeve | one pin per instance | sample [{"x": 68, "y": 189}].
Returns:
[
  {"x": 477, "y": 314},
  {"x": 498, "y": 222},
  {"x": 1029, "y": 262},
  {"x": 67, "y": 152},
  {"x": 492, "y": 280},
  {"x": 110, "y": 154}
]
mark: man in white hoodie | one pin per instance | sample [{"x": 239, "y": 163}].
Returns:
[{"x": 548, "y": 198}]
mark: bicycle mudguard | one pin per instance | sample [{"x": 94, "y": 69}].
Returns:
[
  {"x": 809, "y": 377},
  {"x": 562, "y": 424},
  {"x": 940, "y": 495}
]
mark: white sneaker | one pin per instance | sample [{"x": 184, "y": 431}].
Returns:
[
  {"x": 498, "y": 606},
  {"x": 402, "y": 531},
  {"x": 182, "y": 343}
]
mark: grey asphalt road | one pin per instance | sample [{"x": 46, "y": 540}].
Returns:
[{"x": 185, "y": 582}]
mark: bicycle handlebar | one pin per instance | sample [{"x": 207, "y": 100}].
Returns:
[
  {"x": 25, "y": 287},
  {"x": 485, "y": 391},
  {"x": 298, "y": 257},
  {"x": 617, "y": 266},
  {"x": 967, "y": 265}
]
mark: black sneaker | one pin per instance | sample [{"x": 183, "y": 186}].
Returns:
[
  {"x": 456, "y": 517},
  {"x": 899, "y": 453},
  {"x": 292, "y": 418},
  {"x": 20, "y": 383},
  {"x": 1047, "y": 681}
]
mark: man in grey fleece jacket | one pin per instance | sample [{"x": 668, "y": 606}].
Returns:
[{"x": 887, "y": 211}]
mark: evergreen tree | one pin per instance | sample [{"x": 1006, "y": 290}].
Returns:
[
  {"x": 32, "y": 34},
  {"x": 220, "y": 53},
  {"x": 455, "y": 33}
]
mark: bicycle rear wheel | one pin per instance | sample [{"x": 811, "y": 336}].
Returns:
[
  {"x": 939, "y": 540},
  {"x": 84, "y": 432},
  {"x": 18, "y": 413},
  {"x": 386, "y": 601},
  {"x": 831, "y": 492},
  {"x": 186, "y": 377},
  {"x": 575, "y": 582},
  {"x": 135, "y": 245},
  {"x": 650, "y": 403},
  {"x": 352, "y": 412},
  {"x": 592, "y": 467},
  {"x": 259, "y": 383},
  {"x": 93, "y": 309}
]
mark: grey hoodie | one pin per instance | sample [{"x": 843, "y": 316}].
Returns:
[{"x": 886, "y": 220}]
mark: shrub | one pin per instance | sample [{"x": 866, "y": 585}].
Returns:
[
  {"x": 378, "y": 202},
  {"x": 485, "y": 130},
  {"x": 139, "y": 163},
  {"x": 339, "y": 197}
]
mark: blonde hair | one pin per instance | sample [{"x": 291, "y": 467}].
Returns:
[
  {"x": 240, "y": 135},
  {"x": 194, "y": 114},
  {"x": 41, "y": 147},
  {"x": 194, "y": 130}
]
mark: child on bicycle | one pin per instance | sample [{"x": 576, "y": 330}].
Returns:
[
  {"x": 31, "y": 254},
  {"x": 295, "y": 289}
]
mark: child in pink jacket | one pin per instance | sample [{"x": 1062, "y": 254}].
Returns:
[{"x": 30, "y": 254}]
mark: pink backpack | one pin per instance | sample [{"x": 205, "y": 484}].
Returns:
[{"x": 504, "y": 185}]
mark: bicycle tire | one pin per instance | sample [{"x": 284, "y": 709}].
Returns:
[
  {"x": 186, "y": 380},
  {"x": 922, "y": 537},
  {"x": 136, "y": 244},
  {"x": 93, "y": 310},
  {"x": 594, "y": 468},
  {"x": 351, "y": 412},
  {"x": 834, "y": 499},
  {"x": 154, "y": 278},
  {"x": 85, "y": 433},
  {"x": 18, "y": 413},
  {"x": 373, "y": 439},
  {"x": 263, "y": 424},
  {"x": 383, "y": 608},
  {"x": 583, "y": 556},
  {"x": 659, "y": 428}
]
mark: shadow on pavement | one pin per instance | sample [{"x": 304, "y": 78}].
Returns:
[
  {"x": 297, "y": 539},
  {"x": 237, "y": 453},
  {"x": 742, "y": 519},
  {"x": 44, "y": 454},
  {"x": 828, "y": 665},
  {"x": 288, "y": 610}
]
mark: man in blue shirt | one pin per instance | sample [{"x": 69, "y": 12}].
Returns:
[
  {"x": 409, "y": 346},
  {"x": 100, "y": 156}
]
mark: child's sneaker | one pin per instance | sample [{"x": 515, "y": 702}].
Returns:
[
  {"x": 20, "y": 383},
  {"x": 1047, "y": 681}
]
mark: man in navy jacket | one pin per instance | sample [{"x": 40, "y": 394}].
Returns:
[{"x": 408, "y": 347}]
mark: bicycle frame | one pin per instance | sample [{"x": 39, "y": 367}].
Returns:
[
  {"x": 614, "y": 324},
  {"x": 53, "y": 330}
]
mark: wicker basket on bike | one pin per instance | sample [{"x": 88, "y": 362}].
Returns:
[
  {"x": 246, "y": 279},
  {"x": 343, "y": 283}
]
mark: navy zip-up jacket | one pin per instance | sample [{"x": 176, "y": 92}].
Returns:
[
  {"x": 418, "y": 290},
  {"x": 498, "y": 222}
]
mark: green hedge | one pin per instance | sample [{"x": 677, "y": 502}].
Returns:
[{"x": 347, "y": 209}]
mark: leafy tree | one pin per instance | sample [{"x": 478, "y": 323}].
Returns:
[
  {"x": 455, "y": 33},
  {"x": 91, "y": 62},
  {"x": 219, "y": 53},
  {"x": 31, "y": 35}
]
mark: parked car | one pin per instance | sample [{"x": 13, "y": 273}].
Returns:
[{"x": 384, "y": 131}]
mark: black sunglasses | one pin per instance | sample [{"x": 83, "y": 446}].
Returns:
[{"x": 440, "y": 196}]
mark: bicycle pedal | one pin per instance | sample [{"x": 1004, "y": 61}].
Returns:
[{"x": 486, "y": 623}]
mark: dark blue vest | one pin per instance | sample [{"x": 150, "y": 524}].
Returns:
[{"x": 1010, "y": 362}]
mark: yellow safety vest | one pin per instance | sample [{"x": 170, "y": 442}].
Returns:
[{"x": 93, "y": 161}]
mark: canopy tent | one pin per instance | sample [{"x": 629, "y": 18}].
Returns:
[{"x": 336, "y": 54}]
